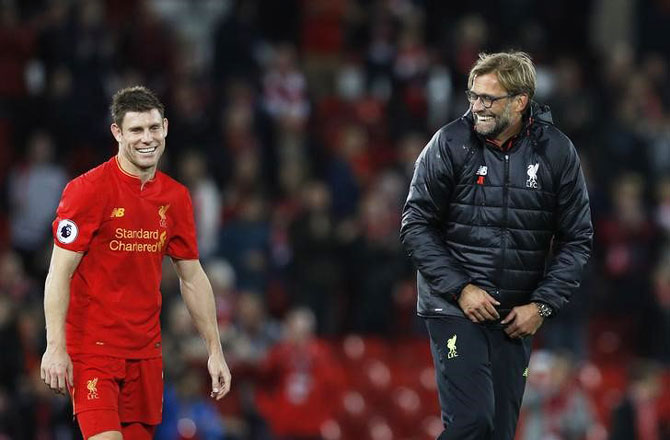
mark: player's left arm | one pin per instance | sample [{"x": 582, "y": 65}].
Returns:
[{"x": 199, "y": 298}]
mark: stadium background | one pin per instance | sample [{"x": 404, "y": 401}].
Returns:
[{"x": 295, "y": 125}]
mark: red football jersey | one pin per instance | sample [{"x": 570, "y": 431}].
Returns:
[{"x": 124, "y": 230}]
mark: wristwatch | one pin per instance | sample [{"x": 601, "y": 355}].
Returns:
[{"x": 544, "y": 310}]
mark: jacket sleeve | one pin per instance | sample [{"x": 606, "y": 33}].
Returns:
[
  {"x": 423, "y": 218},
  {"x": 573, "y": 238}
]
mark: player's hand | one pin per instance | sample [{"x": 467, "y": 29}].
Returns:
[
  {"x": 218, "y": 370},
  {"x": 56, "y": 369},
  {"x": 477, "y": 304},
  {"x": 522, "y": 321}
]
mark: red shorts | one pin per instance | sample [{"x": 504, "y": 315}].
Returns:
[{"x": 133, "y": 388}]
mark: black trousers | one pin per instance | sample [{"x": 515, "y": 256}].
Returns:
[{"x": 481, "y": 375}]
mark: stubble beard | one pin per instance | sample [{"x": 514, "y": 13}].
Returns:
[{"x": 501, "y": 123}]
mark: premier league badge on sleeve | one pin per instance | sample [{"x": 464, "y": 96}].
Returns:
[{"x": 67, "y": 231}]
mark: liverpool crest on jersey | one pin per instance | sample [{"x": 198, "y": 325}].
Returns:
[{"x": 162, "y": 213}]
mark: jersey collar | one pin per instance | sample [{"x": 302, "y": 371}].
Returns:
[{"x": 132, "y": 179}]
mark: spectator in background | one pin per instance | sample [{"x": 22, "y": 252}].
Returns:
[
  {"x": 409, "y": 147},
  {"x": 240, "y": 134},
  {"x": 554, "y": 405},
  {"x": 39, "y": 414},
  {"x": 637, "y": 417},
  {"x": 206, "y": 200},
  {"x": 627, "y": 243},
  {"x": 236, "y": 44},
  {"x": 65, "y": 126},
  {"x": 247, "y": 345},
  {"x": 375, "y": 258},
  {"x": 21, "y": 298},
  {"x": 284, "y": 87},
  {"x": 409, "y": 104},
  {"x": 348, "y": 169},
  {"x": 379, "y": 57},
  {"x": 572, "y": 103},
  {"x": 244, "y": 241},
  {"x": 316, "y": 275},
  {"x": 622, "y": 142},
  {"x": 194, "y": 25},
  {"x": 439, "y": 94},
  {"x": 190, "y": 124},
  {"x": 322, "y": 39},
  {"x": 658, "y": 146},
  {"x": 568, "y": 332},
  {"x": 14, "y": 281},
  {"x": 222, "y": 277},
  {"x": 11, "y": 368},
  {"x": 17, "y": 42},
  {"x": 78, "y": 52},
  {"x": 182, "y": 342},
  {"x": 470, "y": 34},
  {"x": 186, "y": 413},
  {"x": 254, "y": 333},
  {"x": 246, "y": 183},
  {"x": 300, "y": 381},
  {"x": 34, "y": 190},
  {"x": 661, "y": 278},
  {"x": 658, "y": 317},
  {"x": 237, "y": 158},
  {"x": 286, "y": 102},
  {"x": 144, "y": 28},
  {"x": 662, "y": 212}
]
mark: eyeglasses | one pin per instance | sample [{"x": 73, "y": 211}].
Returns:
[{"x": 486, "y": 100}]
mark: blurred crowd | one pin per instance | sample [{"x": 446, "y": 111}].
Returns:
[{"x": 295, "y": 124}]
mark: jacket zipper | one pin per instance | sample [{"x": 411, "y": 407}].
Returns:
[{"x": 503, "y": 232}]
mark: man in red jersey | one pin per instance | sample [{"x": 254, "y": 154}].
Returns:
[{"x": 102, "y": 301}]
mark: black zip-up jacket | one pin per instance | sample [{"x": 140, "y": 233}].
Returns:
[{"x": 516, "y": 223}]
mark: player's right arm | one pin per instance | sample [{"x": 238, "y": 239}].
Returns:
[{"x": 56, "y": 369}]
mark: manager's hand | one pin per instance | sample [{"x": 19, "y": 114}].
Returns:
[
  {"x": 56, "y": 369},
  {"x": 522, "y": 321},
  {"x": 477, "y": 304}
]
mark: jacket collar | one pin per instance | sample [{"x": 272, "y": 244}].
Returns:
[{"x": 536, "y": 113}]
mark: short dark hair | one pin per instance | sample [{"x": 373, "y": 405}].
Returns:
[{"x": 134, "y": 99}]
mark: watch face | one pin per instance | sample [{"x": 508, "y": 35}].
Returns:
[{"x": 543, "y": 310}]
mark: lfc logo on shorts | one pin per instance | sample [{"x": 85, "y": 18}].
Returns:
[
  {"x": 451, "y": 345},
  {"x": 92, "y": 386},
  {"x": 161, "y": 212}
]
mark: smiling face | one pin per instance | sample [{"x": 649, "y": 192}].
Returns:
[
  {"x": 503, "y": 118},
  {"x": 141, "y": 139}
]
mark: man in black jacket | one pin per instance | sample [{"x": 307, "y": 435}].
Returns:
[{"x": 498, "y": 224}]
